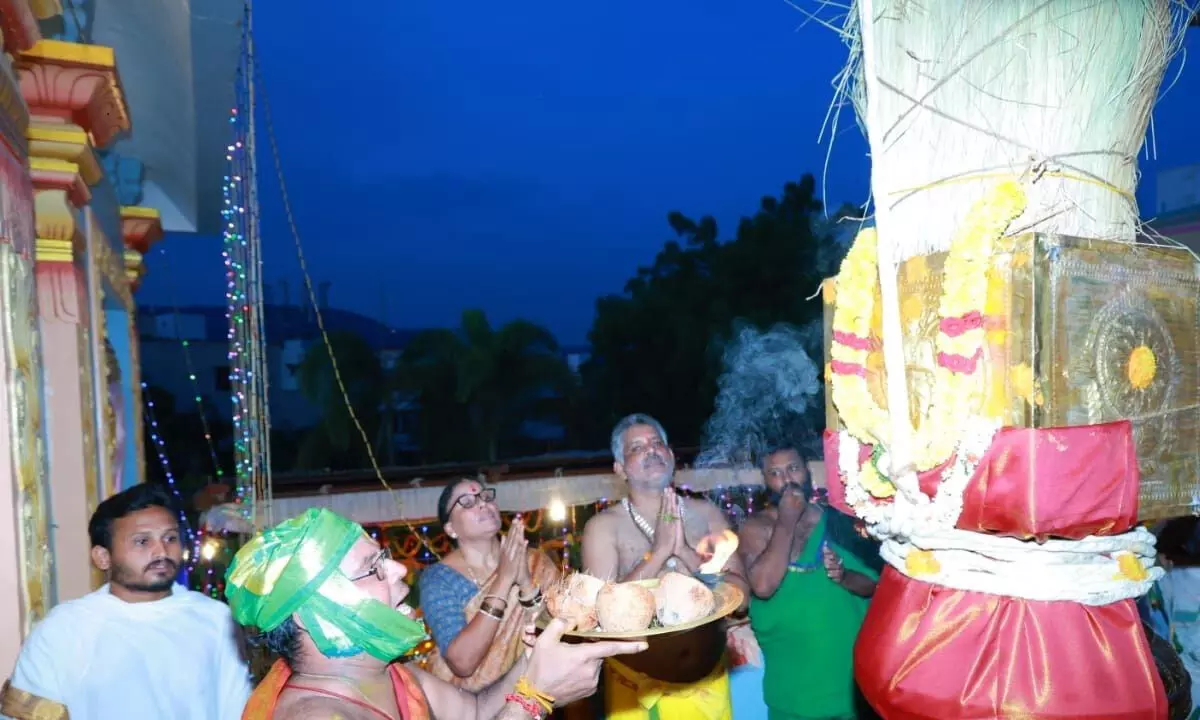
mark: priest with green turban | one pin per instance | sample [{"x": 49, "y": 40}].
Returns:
[{"x": 325, "y": 597}]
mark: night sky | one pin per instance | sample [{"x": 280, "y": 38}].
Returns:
[{"x": 522, "y": 157}]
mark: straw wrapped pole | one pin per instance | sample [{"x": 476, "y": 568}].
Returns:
[
  {"x": 955, "y": 95},
  {"x": 958, "y": 93},
  {"x": 903, "y": 473}
]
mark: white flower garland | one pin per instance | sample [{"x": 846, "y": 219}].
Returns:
[
  {"x": 919, "y": 539},
  {"x": 1087, "y": 571},
  {"x": 910, "y": 512}
]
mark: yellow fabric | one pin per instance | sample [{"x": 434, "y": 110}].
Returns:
[
  {"x": 631, "y": 695},
  {"x": 22, "y": 705}
]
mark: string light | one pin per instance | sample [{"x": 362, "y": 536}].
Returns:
[
  {"x": 160, "y": 448},
  {"x": 209, "y": 549},
  {"x": 240, "y": 252},
  {"x": 235, "y": 275}
]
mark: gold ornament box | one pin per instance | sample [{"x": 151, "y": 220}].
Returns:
[{"x": 1078, "y": 332}]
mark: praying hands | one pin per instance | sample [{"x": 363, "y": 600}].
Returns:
[{"x": 669, "y": 539}]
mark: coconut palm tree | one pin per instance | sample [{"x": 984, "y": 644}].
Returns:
[
  {"x": 335, "y": 442},
  {"x": 477, "y": 386}
]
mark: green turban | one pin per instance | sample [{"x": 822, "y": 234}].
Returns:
[{"x": 294, "y": 568}]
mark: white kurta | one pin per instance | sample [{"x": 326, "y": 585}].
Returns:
[{"x": 104, "y": 658}]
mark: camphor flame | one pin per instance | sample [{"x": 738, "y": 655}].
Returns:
[{"x": 719, "y": 548}]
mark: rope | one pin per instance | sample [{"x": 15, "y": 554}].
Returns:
[
  {"x": 999, "y": 175},
  {"x": 259, "y": 384},
  {"x": 312, "y": 298}
]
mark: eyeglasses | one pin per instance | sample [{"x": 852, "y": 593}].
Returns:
[
  {"x": 470, "y": 500},
  {"x": 376, "y": 567}
]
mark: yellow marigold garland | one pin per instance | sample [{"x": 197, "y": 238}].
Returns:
[
  {"x": 855, "y": 304},
  {"x": 959, "y": 343}
]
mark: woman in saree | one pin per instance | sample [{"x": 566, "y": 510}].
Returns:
[{"x": 480, "y": 598}]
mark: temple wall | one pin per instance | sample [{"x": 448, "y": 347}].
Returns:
[{"x": 71, "y": 257}]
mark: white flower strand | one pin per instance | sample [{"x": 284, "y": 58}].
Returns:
[
  {"x": 1081, "y": 571},
  {"x": 1085, "y": 571}
]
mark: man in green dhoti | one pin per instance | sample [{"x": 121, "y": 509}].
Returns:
[{"x": 809, "y": 596}]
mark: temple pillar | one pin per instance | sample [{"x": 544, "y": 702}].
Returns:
[
  {"x": 141, "y": 228},
  {"x": 26, "y": 552},
  {"x": 76, "y": 103},
  {"x": 63, "y": 168}
]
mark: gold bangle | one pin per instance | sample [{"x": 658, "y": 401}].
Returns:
[{"x": 491, "y": 612}]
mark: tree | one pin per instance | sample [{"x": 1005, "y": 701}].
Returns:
[
  {"x": 335, "y": 442},
  {"x": 476, "y": 386},
  {"x": 657, "y": 347}
]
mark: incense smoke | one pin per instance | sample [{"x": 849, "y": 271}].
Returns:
[{"x": 765, "y": 395}]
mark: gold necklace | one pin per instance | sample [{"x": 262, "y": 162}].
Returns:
[
  {"x": 648, "y": 529},
  {"x": 471, "y": 572}
]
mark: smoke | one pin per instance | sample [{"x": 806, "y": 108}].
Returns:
[{"x": 765, "y": 395}]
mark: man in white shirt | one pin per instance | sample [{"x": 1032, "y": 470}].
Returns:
[{"x": 141, "y": 647}]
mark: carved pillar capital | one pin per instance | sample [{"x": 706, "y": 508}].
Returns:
[
  {"x": 135, "y": 267},
  {"x": 141, "y": 227},
  {"x": 67, "y": 142},
  {"x": 62, "y": 166},
  {"x": 75, "y": 83}
]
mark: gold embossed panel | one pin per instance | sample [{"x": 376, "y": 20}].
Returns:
[{"x": 1079, "y": 332}]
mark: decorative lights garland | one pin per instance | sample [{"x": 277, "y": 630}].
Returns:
[
  {"x": 235, "y": 275},
  {"x": 160, "y": 447},
  {"x": 242, "y": 259},
  {"x": 190, "y": 370}
]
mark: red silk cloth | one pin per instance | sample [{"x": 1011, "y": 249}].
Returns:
[{"x": 927, "y": 652}]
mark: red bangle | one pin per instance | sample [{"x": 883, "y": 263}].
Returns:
[{"x": 529, "y": 705}]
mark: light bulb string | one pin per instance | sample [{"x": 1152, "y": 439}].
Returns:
[
  {"x": 160, "y": 448},
  {"x": 259, "y": 379},
  {"x": 190, "y": 369},
  {"x": 242, "y": 258}
]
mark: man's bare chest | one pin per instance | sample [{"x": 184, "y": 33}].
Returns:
[{"x": 634, "y": 540}]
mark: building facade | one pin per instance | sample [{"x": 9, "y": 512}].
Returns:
[{"x": 1177, "y": 207}]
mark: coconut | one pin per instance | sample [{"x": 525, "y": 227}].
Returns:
[
  {"x": 585, "y": 587},
  {"x": 574, "y": 600},
  {"x": 682, "y": 599},
  {"x": 624, "y": 607}
]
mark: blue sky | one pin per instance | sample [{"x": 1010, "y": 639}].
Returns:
[{"x": 522, "y": 157}]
